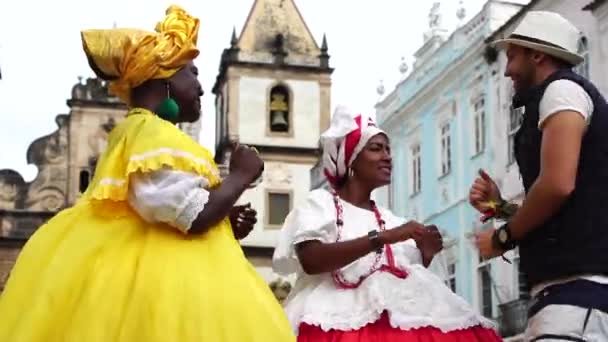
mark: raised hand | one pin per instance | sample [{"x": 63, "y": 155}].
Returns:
[
  {"x": 246, "y": 162},
  {"x": 484, "y": 191}
]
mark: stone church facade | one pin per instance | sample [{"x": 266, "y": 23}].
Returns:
[
  {"x": 65, "y": 160},
  {"x": 272, "y": 92}
]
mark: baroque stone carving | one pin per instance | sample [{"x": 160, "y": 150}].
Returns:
[
  {"x": 11, "y": 188},
  {"x": 278, "y": 175},
  {"x": 93, "y": 89},
  {"x": 50, "y": 154},
  {"x": 99, "y": 140},
  {"x": 435, "y": 15},
  {"x": 280, "y": 288},
  {"x": 444, "y": 195},
  {"x": 48, "y": 190}
]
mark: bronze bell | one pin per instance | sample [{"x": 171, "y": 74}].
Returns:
[
  {"x": 279, "y": 121},
  {"x": 278, "y": 113}
]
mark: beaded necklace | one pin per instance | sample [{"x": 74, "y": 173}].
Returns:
[{"x": 338, "y": 275}]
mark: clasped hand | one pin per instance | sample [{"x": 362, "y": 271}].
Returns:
[
  {"x": 430, "y": 242},
  {"x": 242, "y": 219},
  {"x": 428, "y": 239}
]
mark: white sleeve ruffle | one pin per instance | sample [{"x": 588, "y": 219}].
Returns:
[
  {"x": 172, "y": 197},
  {"x": 313, "y": 220}
]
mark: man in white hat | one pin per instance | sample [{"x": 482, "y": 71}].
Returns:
[{"x": 561, "y": 228}]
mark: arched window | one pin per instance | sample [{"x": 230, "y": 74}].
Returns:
[
  {"x": 279, "y": 109},
  {"x": 583, "y": 50},
  {"x": 84, "y": 179}
]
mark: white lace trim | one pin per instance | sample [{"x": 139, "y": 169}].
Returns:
[
  {"x": 404, "y": 323},
  {"x": 168, "y": 196},
  {"x": 194, "y": 204},
  {"x": 177, "y": 153},
  {"x": 112, "y": 181},
  {"x": 420, "y": 300}
]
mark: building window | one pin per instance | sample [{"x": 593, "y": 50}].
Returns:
[
  {"x": 279, "y": 109},
  {"x": 391, "y": 192},
  {"x": 583, "y": 50},
  {"x": 515, "y": 117},
  {"x": 522, "y": 285},
  {"x": 416, "y": 166},
  {"x": 446, "y": 149},
  {"x": 278, "y": 205},
  {"x": 480, "y": 124},
  {"x": 451, "y": 277},
  {"x": 484, "y": 274},
  {"x": 83, "y": 181}
]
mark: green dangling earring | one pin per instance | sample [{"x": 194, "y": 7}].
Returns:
[{"x": 168, "y": 109}]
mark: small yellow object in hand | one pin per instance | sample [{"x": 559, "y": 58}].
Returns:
[{"x": 490, "y": 204}]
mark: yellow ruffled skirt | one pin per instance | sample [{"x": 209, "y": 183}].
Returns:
[{"x": 87, "y": 278}]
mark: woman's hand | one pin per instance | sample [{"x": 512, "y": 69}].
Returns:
[
  {"x": 430, "y": 244},
  {"x": 246, "y": 162},
  {"x": 242, "y": 219}
]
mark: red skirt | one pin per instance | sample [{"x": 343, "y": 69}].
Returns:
[{"x": 382, "y": 331}]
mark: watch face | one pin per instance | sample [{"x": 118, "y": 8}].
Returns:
[{"x": 503, "y": 236}]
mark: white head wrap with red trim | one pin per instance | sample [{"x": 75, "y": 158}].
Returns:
[{"x": 347, "y": 135}]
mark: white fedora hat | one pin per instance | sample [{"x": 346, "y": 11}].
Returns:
[{"x": 547, "y": 32}]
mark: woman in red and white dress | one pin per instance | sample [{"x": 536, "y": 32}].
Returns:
[{"x": 361, "y": 270}]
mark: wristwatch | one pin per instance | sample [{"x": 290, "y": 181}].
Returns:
[
  {"x": 502, "y": 238},
  {"x": 374, "y": 238}
]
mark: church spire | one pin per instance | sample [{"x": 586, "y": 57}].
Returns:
[
  {"x": 234, "y": 40},
  {"x": 324, "y": 56}
]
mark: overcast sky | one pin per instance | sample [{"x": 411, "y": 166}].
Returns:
[{"x": 41, "y": 55}]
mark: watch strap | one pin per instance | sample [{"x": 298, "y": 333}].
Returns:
[
  {"x": 507, "y": 245},
  {"x": 374, "y": 238}
]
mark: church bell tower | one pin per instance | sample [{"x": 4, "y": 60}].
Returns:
[{"x": 273, "y": 92}]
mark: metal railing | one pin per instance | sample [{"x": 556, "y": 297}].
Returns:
[{"x": 513, "y": 317}]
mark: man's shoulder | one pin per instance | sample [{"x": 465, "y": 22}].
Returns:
[{"x": 564, "y": 86}]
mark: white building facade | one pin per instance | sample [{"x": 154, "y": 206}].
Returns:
[
  {"x": 273, "y": 93},
  {"x": 598, "y": 44}
]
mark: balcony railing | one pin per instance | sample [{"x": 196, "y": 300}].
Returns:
[
  {"x": 513, "y": 317},
  {"x": 21, "y": 224}
]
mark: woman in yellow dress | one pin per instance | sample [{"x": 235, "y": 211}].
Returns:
[{"x": 148, "y": 253}]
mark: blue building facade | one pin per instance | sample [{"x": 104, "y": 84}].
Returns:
[{"x": 440, "y": 120}]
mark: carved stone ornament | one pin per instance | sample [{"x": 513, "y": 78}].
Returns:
[
  {"x": 99, "y": 140},
  {"x": 11, "y": 189},
  {"x": 278, "y": 175},
  {"x": 47, "y": 191},
  {"x": 92, "y": 90},
  {"x": 444, "y": 195},
  {"x": 435, "y": 15},
  {"x": 280, "y": 288}
]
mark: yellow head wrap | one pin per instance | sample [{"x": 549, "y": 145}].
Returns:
[{"x": 129, "y": 57}]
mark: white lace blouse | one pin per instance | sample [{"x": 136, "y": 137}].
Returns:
[
  {"x": 420, "y": 300},
  {"x": 168, "y": 196}
]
